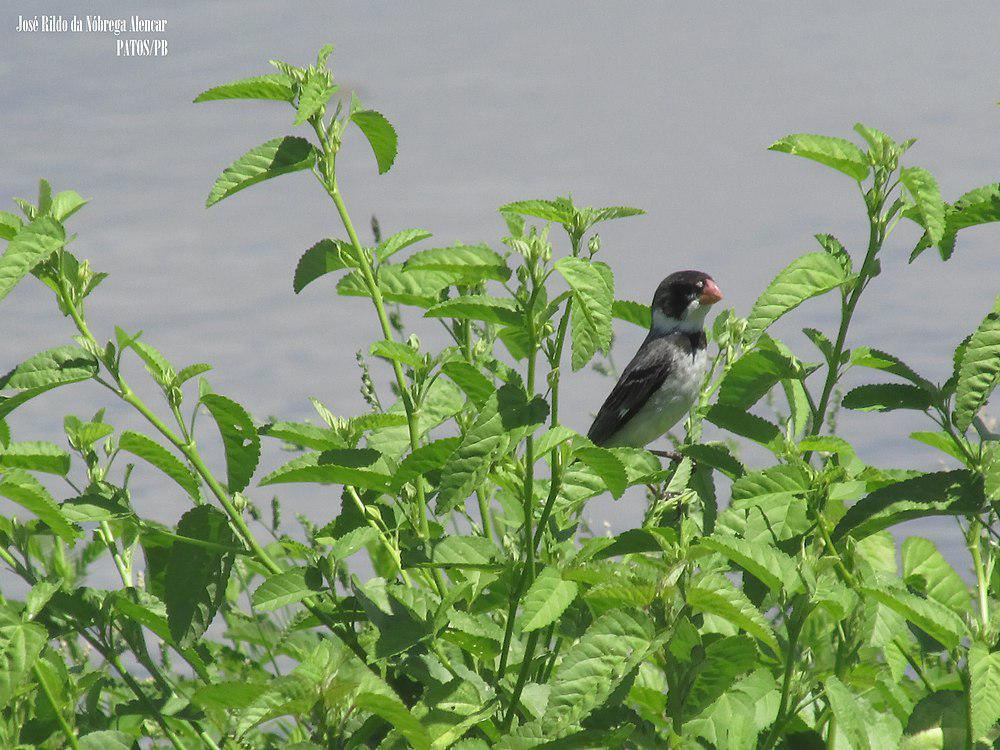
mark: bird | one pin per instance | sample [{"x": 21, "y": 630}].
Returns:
[{"x": 662, "y": 382}]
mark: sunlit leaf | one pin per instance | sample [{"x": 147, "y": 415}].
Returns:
[
  {"x": 29, "y": 247},
  {"x": 239, "y": 438},
  {"x": 838, "y": 153},
  {"x": 149, "y": 450},
  {"x": 276, "y": 157},
  {"x": 546, "y": 599},
  {"x": 381, "y": 136},
  {"x": 276, "y": 86},
  {"x": 805, "y": 277},
  {"x": 979, "y": 370}
]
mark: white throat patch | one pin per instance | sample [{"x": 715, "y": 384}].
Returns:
[{"x": 692, "y": 322}]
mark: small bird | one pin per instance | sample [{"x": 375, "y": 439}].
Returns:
[{"x": 661, "y": 383}]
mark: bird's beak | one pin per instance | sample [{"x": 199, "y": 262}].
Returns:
[{"x": 711, "y": 293}]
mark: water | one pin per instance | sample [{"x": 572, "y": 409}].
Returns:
[{"x": 666, "y": 107}]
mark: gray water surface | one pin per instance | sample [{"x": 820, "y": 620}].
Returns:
[{"x": 669, "y": 107}]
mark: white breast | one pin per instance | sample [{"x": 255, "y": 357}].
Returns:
[{"x": 667, "y": 405}]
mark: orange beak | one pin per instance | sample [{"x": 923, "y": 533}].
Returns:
[{"x": 711, "y": 293}]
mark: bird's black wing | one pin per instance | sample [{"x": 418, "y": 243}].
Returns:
[{"x": 645, "y": 373}]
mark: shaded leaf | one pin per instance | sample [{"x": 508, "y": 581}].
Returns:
[
  {"x": 276, "y": 157},
  {"x": 30, "y": 494},
  {"x": 154, "y": 453},
  {"x": 30, "y": 246},
  {"x": 979, "y": 370},
  {"x": 239, "y": 438},
  {"x": 324, "y": 257},
  {"x": 381, "y": 136},
  {"x": 887, "y": 397},
  {"x": 923, "y": 189}
]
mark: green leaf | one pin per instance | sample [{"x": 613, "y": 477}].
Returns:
[
  {"x": 423, "y": 460},
  {"x": 276, "y": 157},
  {"x": 632, "y": 312},
  {"x": 714, "y": 674},
  {"x": 979, "y": 206},
  {"x": 774, "y": 568},
  {"x": 546, "y": 599},
  {"x": 838, "y": 153},
  {"x": 864, "y": 727},
  {"x": 151, "y": 451},
  {"x": 231, "y": 694},
  {"x": 281, "y": 589},
  {"x": 4, "y": 434},
  {"x": 934, "y": 618},
  {"x": 156, "y": 364},
  {"x": 740, "y": 714},
  {"x": 591, "y": 668},
  {"x": 593, "y": 296},
  {"x": 887, "y": 397},
  {"x": 398, "y": 241},
  {"x": 925, "y": 569},
  {"x": 417, "y": 288},
  {"x": 196, "y": 576},
  {"x": 398, "y": 352},
  {"x": 29, "y": 247},
  {"x": 923, "y": 189},
  {"x": 716, "y": 595},
  {"x": 936, "y": 494},
  {"x": 753, "y": 375},
  {"x": 505, "y": 418},
  {"x": 941, "y": 717},
  {"x": 239, "y": 438},
  {"x": 35, "y": 456},
  {"x": 560, "y": 211},
  {"x": 979, "y": 370},
  {"x": 498, "y": 310},
  {"x": 741, "y": 422},
  {"x": 28, "y": 492},
  {"x": 346, "y": 466},
  {"x": 324, "y": 257},
  {"x": 304, "y": 435},
  {"x": 942, "y": 441},
  {"x": 105, "y": 739},
  {"x": 984, "y": 693},
  {"x": 476, "y": 263},
  {"x": 607, "y": 466},
  {"x": 381, "y": 136},
  {"x": 807, "y": 276},
  {"x": 466, "y": 376},
  {"x": 395, "y": 712},
  {"x": 716, "y": 455},
  {"x": 314, "y": 94},
  {"x": 10, "y": 225},
  {"x": 461, "y": 550},
  {"x": 65, "y": 204},
  {"x": 21, "y": 643},
  {"x": 276, "y": 86}
]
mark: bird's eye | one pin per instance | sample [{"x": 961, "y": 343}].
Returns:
[{"x": 700, "y": 285}]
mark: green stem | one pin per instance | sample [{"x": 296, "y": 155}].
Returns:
[
  {"x": 795, "y": 627},
  {"x": 973, "y": 541},
  {"x": 390, "y": 548},
  {"x": 112, "y": 545},
  {"x": 70, "y": 734}
]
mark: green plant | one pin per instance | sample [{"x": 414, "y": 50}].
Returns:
[{"x": 778, "y": 619}]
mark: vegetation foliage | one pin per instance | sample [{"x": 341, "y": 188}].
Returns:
[{"x": 755, "y": 607}]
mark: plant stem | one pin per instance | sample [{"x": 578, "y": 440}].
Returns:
[
  {"x": 70, "y": 734},
  {"x": 973, "y": 540},
  {"x": 352, "y": 493}
]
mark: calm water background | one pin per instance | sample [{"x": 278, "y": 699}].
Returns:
[{"x": 669, "y": 107}]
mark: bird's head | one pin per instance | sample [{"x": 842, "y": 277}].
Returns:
[{"x": 682, "y": 300}]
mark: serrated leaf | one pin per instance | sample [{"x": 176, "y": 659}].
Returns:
[
  {"x": 942, "y": 441},
  {"x": 466, "y": 376},
  {"x": 546, "y": 599},
  {"x": 275, "y": 86},
  {"x": 156, "y": 364},
  {"x": 324, "y": 257},
  {"x": 343, "y": 466},
  {"x": 35, "y": 456},
  {"x": 417, "y": 288},
  {"x": 476, "y": 263},
  {"x": 196, "y": 577},
  {"x": 281, "y": 589},
  {"x": 924, "y": 190},
  {"x": 304, "y": 435},
  {"x": 590, "y": 317},
  {"x": 425, "y": 459},
  {"x": 805, "y": 277},
  {"x": 381, "y": 137},
  {"x": 230, "y": 694},
  {"x": 314, "y": 94},
  {"x": 743, "y": 423},
  {"x": 105, "y": 739},
  {"x": 30, "y": 494},
  {"x": 30, "y": 246},
  {"x": 395, "y": 712},
  {"x": 979, "y": 370},
  {"x": 771, "y": 566},
  {"x": 460, "y": 550},
  {"x": 559, "y": 210},
  {"x": 276, "y": 157},
  {"x": 717, "y": 595},
  {"x": 632, "y": 312},
  {"x": 154, "y": 453},
  {"x": 887, "y": 397},
  {"x": 716, "y": 455},
  {"x": 10, "y": 225},
  {"x": 65, "y": 204},
  {"x": 838, "y": 153},
  {"x": 936, "y": 494},
  {"x": 865, "y": 356},
  {"x": 398, "y": 352},
  {"x": 864, "y": 727},
  {"x": 607, "y": 466},
  {"x": 239, "y": 438},
  {"x": 984, "y": 693},
  {"x": 398, "y": 241},
  {"x": 934, "y": 618},
  {"x": 497, "y": 310},
  {"x": 740, "y": 714},
  {"x": 593, "y": 666},
  {"x": 752, "y": 375},
  {"x": 925, "y": 569}
]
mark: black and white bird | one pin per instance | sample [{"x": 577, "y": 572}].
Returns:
[{"x": 661, "y": 383}]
